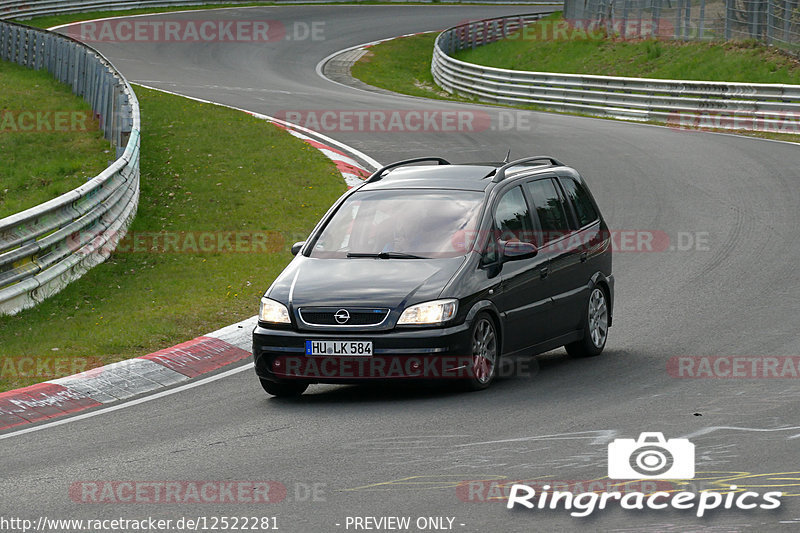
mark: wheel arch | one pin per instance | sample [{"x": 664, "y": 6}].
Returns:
[{"x": 489, "y": 308}]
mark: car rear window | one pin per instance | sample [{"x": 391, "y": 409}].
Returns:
[{"x": 581, "y": 202}]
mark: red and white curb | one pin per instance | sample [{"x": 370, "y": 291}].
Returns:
[{"x": 126, "y": 379}]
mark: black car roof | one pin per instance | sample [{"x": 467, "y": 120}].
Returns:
[{"x": 464, "y": 177}]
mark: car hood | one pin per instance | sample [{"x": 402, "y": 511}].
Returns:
[{"x": 358, "y": 282}]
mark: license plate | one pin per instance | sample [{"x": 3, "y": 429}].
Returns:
[{"x": 340, "y": 348}]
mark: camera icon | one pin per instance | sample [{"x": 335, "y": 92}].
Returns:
[{"x": 651, "y": 457}]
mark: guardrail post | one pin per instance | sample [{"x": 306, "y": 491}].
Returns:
[
  {"x": 702, "y": 22},
  {"x": 728, "y": 18},
  {"x": 787, "y": 19},
  {"x": 657, "y": 18},
  {"x": 687, "y": 18},
  {"x": 770, "y": 19}
]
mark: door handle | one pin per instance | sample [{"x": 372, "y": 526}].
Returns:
[
  {"x": 583, "y": 257},
  {"x": 544, "y": 272}
]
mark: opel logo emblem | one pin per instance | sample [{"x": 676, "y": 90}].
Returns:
[{"x": 341, "y": 316}]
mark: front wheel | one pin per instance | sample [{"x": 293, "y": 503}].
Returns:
[
  {"x": 284, "y": 390},
  {"x": 485, "y": 353},
  {"x": 595, "y": 330}
]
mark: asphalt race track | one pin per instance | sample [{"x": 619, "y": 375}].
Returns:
[{"x": 726, "y": 284}]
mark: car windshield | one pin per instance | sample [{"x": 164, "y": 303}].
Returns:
[{"x": 401, "y": 224}]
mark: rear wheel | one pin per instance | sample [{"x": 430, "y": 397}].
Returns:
[
  {"x": 485, "y": 353},
  {"x": 283, "y": 390},
  {"x": 595, "y": 330}
]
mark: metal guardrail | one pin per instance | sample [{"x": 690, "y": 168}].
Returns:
[
  {"x": 18, "y": 9},
  {"x": 44, "y": 248},
  {"x": 32, "y": 8},
  {"x": 717, "y": 105}
]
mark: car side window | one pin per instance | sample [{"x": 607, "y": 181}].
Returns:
[
  {"x": 549, "y": 208},
  {"x": 581, "y": 202},
  {"x": 512, "y": 217},
  {"x": 512, "y": 222}
]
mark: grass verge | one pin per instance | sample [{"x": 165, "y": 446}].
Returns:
[
  {"x": 732, "y": 61},
  {"x": 403, "y": 65},
  {"x": 49, "y": 142},
  {"x": 205, "y": 169}
]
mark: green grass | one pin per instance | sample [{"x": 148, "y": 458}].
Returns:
[
  {"x": 734, "y": 61},
  {"x": 403, "y": 65},
  {"x": 203, "y": 168},
  {"x": 36, "y": 166}
]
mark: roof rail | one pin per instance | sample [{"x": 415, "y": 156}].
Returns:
[
  {"x": 378, "y": 175},
  {"x": 500, "y": 174}
]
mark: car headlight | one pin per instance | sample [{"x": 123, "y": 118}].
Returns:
[
  {"x": 434, "y": 312},
  {"x": 273, "y": 312}
]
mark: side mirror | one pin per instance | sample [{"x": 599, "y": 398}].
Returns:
[
  {"x": 296, "y": 247},
  {"x": 516, "y": 250}
]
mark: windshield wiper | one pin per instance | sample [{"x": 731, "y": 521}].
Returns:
[{"x": 385, "y": 255}]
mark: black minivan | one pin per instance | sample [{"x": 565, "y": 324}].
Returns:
[{"x": 431, "y": 270}]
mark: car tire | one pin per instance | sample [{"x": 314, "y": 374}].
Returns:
[
  {"x": 283, "y": 390},
  {"x": 485, "y": 353},
  {"x": 595, "y": 328}
]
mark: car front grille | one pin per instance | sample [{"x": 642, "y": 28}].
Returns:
[{"x": 326, "y": 316}]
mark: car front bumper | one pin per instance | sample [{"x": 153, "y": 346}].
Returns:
[{"x": 420, "y": 353}]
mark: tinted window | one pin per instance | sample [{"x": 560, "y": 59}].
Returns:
[
  {"x": 584, "y": 209},
  {"x": 549, "y": 208},
  {"x": 512, "y": 217}
]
